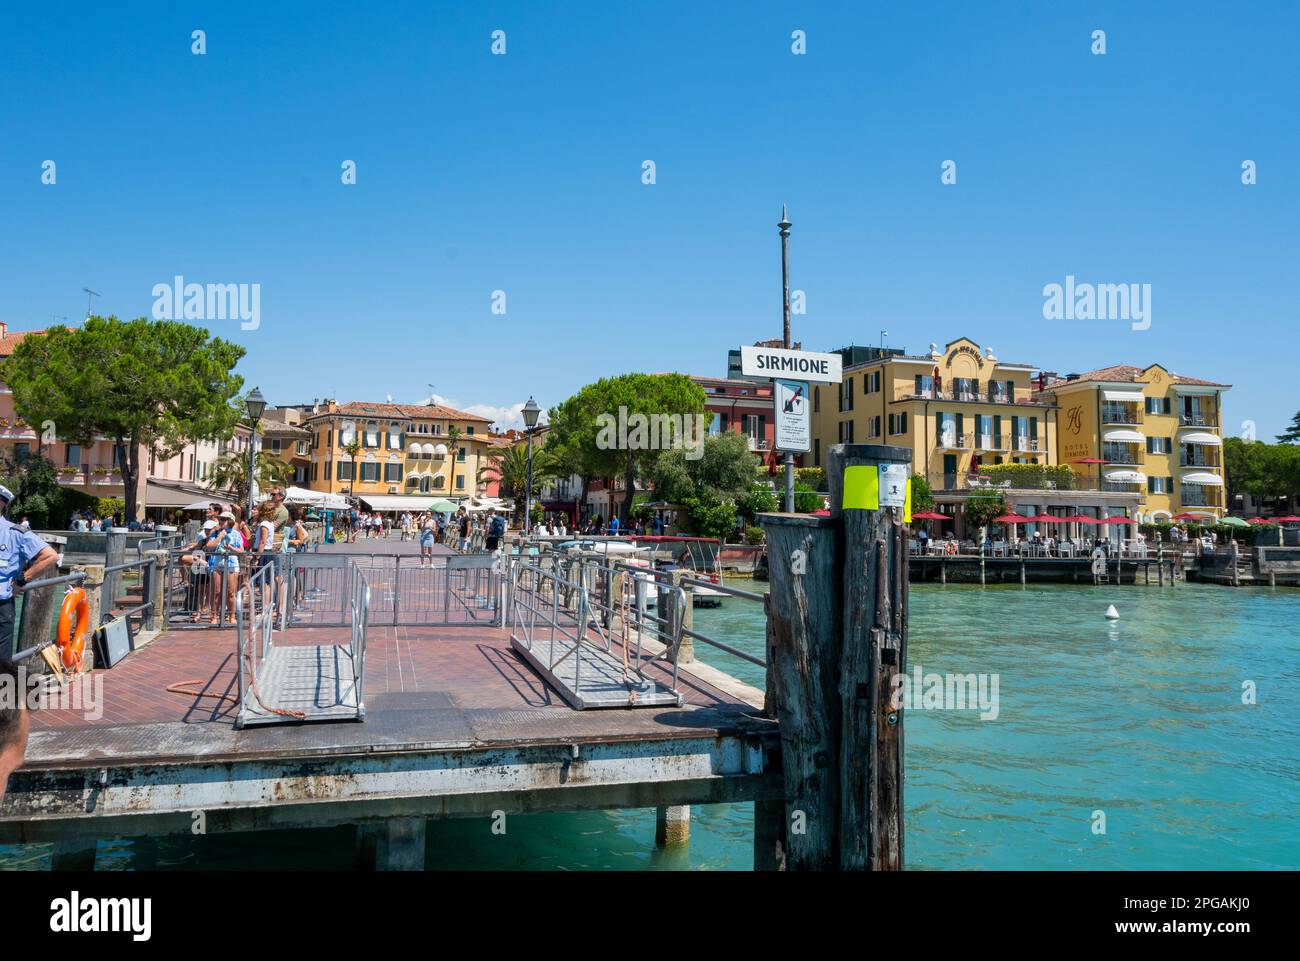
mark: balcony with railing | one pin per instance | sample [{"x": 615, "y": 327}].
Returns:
[
  {"x": 1028, "y": 445},
  {"x": 1198, "y": 418},
  {"x": 953, "y": 441},
  {"x": 1118, "y": 413},
  {"x": 1116, "y": 453},
  {"x": 994, "y": 442},
  {"x": 1032, "y": 477},
  {"x": 1194, "y": 495},
  {"x": 1199, "y": 458}
]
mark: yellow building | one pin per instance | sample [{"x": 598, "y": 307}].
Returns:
[
  {"x": 1155, "y": 433},
  {"x": 402, "y": 449},
  {"x": 958, "y": 409}
]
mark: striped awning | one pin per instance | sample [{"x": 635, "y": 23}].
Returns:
[
  {"x": 1200, "y": 437},
  {"x": 1126, "y": 477},
  {"x": 1122, "y": 396},
  {"x": 1203, "y": 477}
]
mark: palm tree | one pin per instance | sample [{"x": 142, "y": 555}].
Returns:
[
  {"x": 353, "y": 448},
  {"x": 230, "y": 472},
  {"x": 453, "y": 435},
  {"x": 509, "y": 465}
]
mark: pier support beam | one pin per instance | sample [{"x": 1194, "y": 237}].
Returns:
[
  {"x": 393, "y": 845},
  {"x": 73, "y": 855},
  {"x": 672, "y": 825}
]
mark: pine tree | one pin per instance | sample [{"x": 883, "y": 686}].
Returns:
[{"x": 1292, "y": 434}]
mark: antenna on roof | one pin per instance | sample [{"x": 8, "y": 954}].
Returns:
[
  {"x": 89, "y": 293},
  {"x": 431, "y": 401}
]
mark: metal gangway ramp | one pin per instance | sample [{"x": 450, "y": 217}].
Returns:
[
  {"x": 599, "y": 649},
  {"x": 282, "y": 681}
]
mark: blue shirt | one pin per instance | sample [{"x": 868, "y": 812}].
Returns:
[{"x": 17, "y": 549}]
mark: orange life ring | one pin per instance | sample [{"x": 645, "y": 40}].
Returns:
[{"x": 72, "y": 641}]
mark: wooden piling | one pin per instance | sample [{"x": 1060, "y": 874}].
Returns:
[
  {"x": 874, "y": 653},
  {"x": 804, "y": 616}
]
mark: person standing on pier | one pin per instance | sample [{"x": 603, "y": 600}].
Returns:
[
  {"x": 462, "y": 529},
  {"x": 23, "y": 557}
]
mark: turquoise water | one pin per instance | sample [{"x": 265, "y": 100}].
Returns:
[{"x": 1141, "y": 719}]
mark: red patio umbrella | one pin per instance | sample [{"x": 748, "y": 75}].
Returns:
[
  {"x": 1045, "y": 519},
  {"x": 1011, "y": 519},
  {"x": 1258, "y": 520},
  {"x": 1115, "y": 520},
  {"x": 1186, "y": 516},
  {"x": 930, "y": 516},
  {"x": 1289, "y": 519},
  {"x": 1078, "y": 519}
]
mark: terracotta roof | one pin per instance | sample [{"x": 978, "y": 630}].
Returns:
[
  {"x": 362, "y": 408},
  {"x": 11, "y": 340},
  {"x": 1127, "y": 374},
  {"x": 269, "y": 427}
]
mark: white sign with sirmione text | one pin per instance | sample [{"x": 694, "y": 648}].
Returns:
[{"x": 794, "y": 364}]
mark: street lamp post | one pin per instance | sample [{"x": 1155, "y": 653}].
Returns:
[
  {"x": 531, "y": 410},
  {"x": 255, "y": 404},
  {"x": 784, "y": 227}
]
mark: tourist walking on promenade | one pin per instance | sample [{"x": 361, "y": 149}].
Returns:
[
  {"x": 428, "y": 534},
  {"x": 462, "y": 529},
  {"x": 496, "y": 529},
  {"x": 406, "y": 526}
]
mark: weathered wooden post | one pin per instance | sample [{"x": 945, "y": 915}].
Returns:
[
  {"x": 669, "y": 602},
  {"x": 869, "y": 486},
  {"x": 803, "y": 665}
]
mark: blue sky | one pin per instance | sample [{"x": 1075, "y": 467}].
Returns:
[{"x": 522, "y": 173}]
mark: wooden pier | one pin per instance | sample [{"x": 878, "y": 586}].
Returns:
[
  {"x": 1151, "y": 570},
  {"x": 457, "y": 725}
]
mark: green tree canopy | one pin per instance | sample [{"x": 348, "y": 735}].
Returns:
[
  {"x": 156, "y": 384},
  {"x": 982, "y": 506},
  {"x": 584, "y": 434},
  {"x": 725, "y": 469}
]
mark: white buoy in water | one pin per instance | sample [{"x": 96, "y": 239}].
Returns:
[{"x": 1112, "y": 614}]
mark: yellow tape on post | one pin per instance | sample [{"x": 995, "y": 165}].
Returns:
[{"x": 861, "y": 488}]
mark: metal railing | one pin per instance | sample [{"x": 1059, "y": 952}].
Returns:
[
  {"x": 588, "y": 629},
  {"x": 38, "y": 621},
  {"x": 257, "y": 613},
  {"x": 119, "y": 589},
  {"x": 663, "y": 577},
  {"x": 360, "y": 592}
]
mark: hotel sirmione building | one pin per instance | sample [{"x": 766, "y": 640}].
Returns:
[
  {"x": 405, "y": 450},
  {"x": 1155, "y": 432},
  {"x": 960, "y": 408}
]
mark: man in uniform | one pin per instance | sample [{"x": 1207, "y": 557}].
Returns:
[{"x": 23, "y": 557}]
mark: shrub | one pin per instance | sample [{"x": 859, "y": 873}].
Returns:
[
  {"x": 754, "y": 535},
  {"x": 814, "y": 477},
  {"x": 1030, "y": 476}
]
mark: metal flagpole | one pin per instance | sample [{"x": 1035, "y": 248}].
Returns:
[{"x": 784, "y": 225}]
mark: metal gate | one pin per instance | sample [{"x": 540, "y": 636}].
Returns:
[{"x": 452, "y": 589}]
